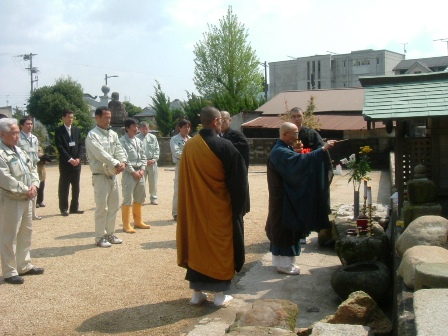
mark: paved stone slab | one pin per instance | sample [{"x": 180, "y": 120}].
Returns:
[
  {"x": 328, "y": 329},
  {"x": 430, "y": 311}
]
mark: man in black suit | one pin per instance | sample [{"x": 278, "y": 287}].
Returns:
[{"x": 71, "y": 148}]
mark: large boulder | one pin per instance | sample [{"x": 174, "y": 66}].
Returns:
[
  {"x": 417, "y": 255},
  {"x": 269, "y": 313},
  {"x": 425, "y": 230},
  {"x": 361, "y": 309}
]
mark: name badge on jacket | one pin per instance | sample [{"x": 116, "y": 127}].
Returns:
[{"x": 71, "y": 144}]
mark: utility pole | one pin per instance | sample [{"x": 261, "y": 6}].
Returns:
[
  {"x": 443, "y": 40},
  {"x": 404, "y": 49},
  {"x": 265, "y": 65},
  {"x": 29, "y": 57}
]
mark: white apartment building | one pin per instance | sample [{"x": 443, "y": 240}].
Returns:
[{"x": 330, "y": 71}]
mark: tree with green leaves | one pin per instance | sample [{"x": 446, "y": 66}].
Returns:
[
  {"x": 18, "y": 113},
  {"x": 164, "y": 115},
  {"x": 47, "y": 103},
  {"x": 131, "y": 109},
  {"x": 225, "y": 63},
  {"x": 41, "y": 133},
  {"x": 309, "y": 119},
  {"x": 193, "y": 107},
  {"x": 224, "y": 102}
]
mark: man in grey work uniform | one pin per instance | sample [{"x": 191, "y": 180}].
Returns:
[
  {"x": 18, "y": 185},
  {"x": 152, "y": 151},
  {"x": 133, "y": 182},
  {"x": 30, "y": 144},
  {"x": 177, "y": 144},
  {"x": 106, "y": 159}
]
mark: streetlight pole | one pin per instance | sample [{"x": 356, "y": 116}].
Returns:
[{"x": 106, "y": 77}]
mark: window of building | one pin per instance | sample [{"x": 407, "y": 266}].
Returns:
[{"x": 361, "y": 62}]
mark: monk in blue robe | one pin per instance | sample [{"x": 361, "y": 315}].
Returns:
[
  {"x": 297, "y": 197},
  {"x": 212, "y": 197}
]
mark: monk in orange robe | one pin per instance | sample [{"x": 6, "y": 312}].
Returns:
[{"x": 213, "y": 188}]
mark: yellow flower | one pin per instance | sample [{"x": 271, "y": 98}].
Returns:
[{"x": 365, "y": 150}]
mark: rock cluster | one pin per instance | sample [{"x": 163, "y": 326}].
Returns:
[{"x": 358, "y": 315}]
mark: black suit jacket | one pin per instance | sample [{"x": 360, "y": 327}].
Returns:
[{"x": 62, "y": 140}]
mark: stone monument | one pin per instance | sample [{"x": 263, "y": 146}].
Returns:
[
  {"x": 118, "y": 112},
  {"x": 422, "y": 197}
]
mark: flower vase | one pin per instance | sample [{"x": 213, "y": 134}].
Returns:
[{"x": 355, "y": 205}]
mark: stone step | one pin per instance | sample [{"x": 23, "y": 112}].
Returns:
[{"x": 431, "y": 275}]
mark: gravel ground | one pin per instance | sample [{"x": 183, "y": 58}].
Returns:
[{"x": 134, "y": 288}]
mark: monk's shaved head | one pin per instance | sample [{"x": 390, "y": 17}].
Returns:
[
  {"x": 287, "y": 127},
  {"x": 208, "y": 115}
]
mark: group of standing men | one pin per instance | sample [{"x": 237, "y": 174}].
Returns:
[
  {"x": 136, "y": 156},
  {"x": 109, "y": 156}
]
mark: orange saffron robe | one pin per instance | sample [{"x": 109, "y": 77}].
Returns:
[{"x": 204, "y": 218}]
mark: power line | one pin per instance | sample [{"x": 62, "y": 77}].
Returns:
[{"x": 443, "y": 40}]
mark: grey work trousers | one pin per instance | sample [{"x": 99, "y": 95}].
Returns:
[
  {"x": 151, "y": 175},
  {"x": 133, "y": 190},
  {"x": 15, "y": 236},
  {"x": 107, "y": 204}
]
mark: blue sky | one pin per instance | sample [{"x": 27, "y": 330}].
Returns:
[{"x": 143, "y": 41}]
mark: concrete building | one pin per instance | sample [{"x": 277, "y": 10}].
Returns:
[
  {"x": 6, "y": 110},
  {"x": 330, "y": 71},
  {"x": 421, "y": 65}
]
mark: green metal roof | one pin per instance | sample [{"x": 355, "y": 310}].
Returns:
[{"x": 406, "y": 96}]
